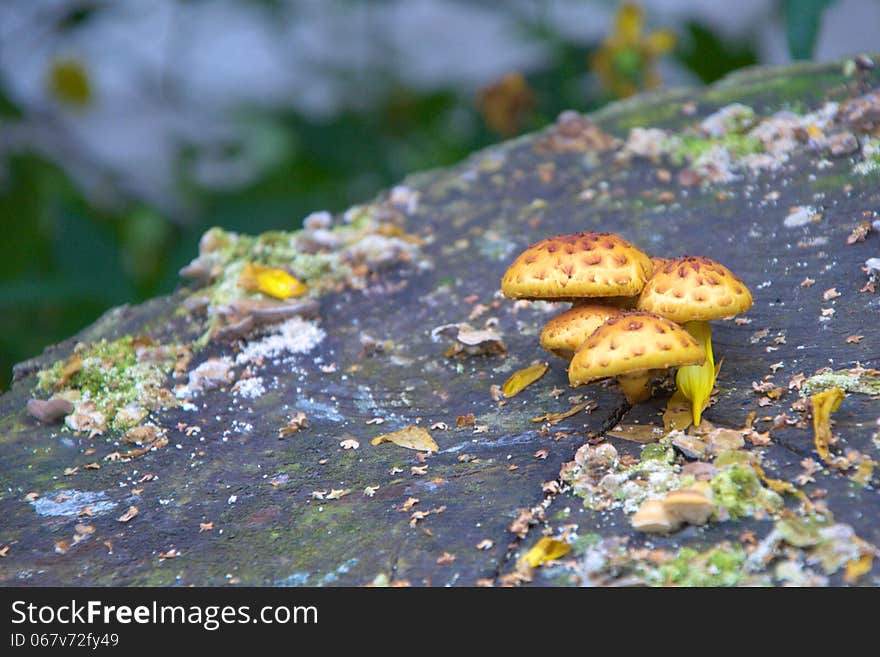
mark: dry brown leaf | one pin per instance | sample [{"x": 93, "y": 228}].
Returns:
[
  {"x": 74, "y": 365},
  {"x": 521, "y": 379},
  {"x": 637, "y": 433},
  {"x": 412, "y": 437},
  {"x": 206, "y": 526},
  {"x": 462, "y": 421},
  {"x": 445, "y": 559},
  {"x": 128, "y": 515},
  {"x": 546, "y": 549},
  {"x": 555, "y": 418}
]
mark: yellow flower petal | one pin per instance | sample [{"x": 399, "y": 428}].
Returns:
[
  {"x": 270, "y": 281},
  {"x": 547, "y": 549},
  {"x": 696, "y": 381}
]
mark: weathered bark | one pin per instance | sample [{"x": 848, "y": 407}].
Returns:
[{"x": 476, "y": 216}]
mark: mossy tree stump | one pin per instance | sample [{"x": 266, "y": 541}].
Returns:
[{"x": 231, "y": 502}]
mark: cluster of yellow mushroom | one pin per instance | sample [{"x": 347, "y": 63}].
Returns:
[{"x": 632, "y": 316}]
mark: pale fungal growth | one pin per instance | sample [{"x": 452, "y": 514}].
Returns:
[
  {"x": 578, "y": 266},
  {"x": 629, "y": 347},
  {"x": 692, "y": 290},
  {"x": 50, "y": 411},
  {"x": 563, "y": 334},
  {"x": 653, "y": 517},
  {"x": 691, "y": 505}
]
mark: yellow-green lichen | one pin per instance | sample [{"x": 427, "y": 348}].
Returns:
[
  {"x": 122, "y": 378},
  {"x": 719, "y": 566},
  {"x": 738, "y": 490},
  {"x": 862, "y": 381}
]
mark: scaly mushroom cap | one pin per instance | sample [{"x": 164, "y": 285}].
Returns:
[
  {"x": 563, "y": 334},
  {"x": 694, "y": 288},
  {"x": 634, "y": 342},
  {"x": 659, "y": 262},
  {"x": 577, "y": 266}
]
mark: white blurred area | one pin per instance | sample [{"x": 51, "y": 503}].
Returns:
[{"x": 171, "y": 77}]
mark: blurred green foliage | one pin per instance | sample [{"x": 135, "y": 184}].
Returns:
[{"x": 65, "y": 259}]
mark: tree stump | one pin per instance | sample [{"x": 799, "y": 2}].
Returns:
[{"x": 222, "y": 499}]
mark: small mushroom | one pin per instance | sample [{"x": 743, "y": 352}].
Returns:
[
  {"x": 578, "y": 266},
  {"x": 50, "y": 411},
  {"x": 691, "y": 505},
  {"x": 631, "y": 345},
  {"x": 692, "y": 290},
  {"x": 652, "y": 516},
  {"x": 563, "y": 334}
]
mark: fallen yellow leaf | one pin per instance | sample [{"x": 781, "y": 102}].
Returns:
[
  {"x": 678, "y": 414},
  {"x": 855, "y": 568},
  {"x": 412, "y": 437},
  {"x": 270, "y": 281},
  {"x": 554, "y": 418},
  {"x": 523, "y": 378},
  {"x": 824, "y": 404},
  {"x": 547, "y": 549}
]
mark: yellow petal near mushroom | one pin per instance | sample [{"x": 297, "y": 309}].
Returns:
[
  {"x": 270, "y": 281},
  {"x": 696, "y": 381}
]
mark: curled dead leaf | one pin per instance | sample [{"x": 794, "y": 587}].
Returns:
[
  {"x": 824, "y": 404},
  {"x": 128, "y": 515}
]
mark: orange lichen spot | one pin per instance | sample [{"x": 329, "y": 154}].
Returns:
[{"x": 270, "y": 281}]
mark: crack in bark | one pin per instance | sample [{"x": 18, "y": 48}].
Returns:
[{"x": 613, "y": 419}]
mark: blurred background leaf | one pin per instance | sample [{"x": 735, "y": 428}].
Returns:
[{"x": 802, "y": 18}]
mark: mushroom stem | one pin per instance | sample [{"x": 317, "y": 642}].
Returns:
[
  {"x": 636, "y": 387},
  {"x": 696, "y": 381}
]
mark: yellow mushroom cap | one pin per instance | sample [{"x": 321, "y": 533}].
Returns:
[
  {"x": 563, "y": 334},
  {"x": 694, "y": 288},
  {"x": 634, "y": 342},
  {"x": 659, "y": 262},
  {"x": 577, "y": 266}
]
